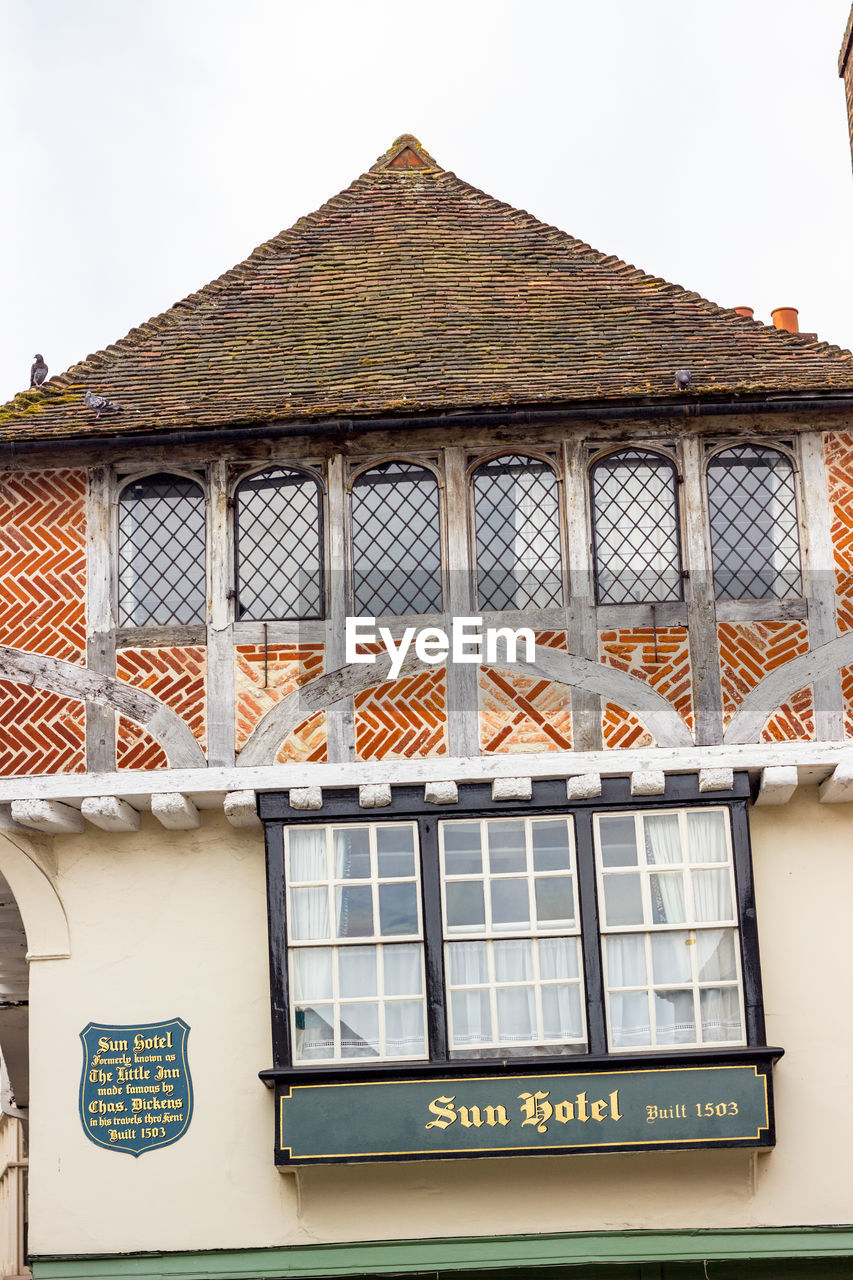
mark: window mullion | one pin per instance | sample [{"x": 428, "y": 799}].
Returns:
[
  {"x": 436, "y": 1000},
  {"x": 590, "y": 939}
]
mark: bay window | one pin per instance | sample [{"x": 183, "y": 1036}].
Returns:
[{"x": 534, "y": 930}]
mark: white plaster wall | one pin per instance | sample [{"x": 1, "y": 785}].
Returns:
[{"x": 168, "y": 924}]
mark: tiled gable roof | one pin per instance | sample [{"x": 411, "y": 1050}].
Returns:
[{"x": 413, "y": 291}]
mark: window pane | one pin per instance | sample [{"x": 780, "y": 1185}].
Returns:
[
  {"x": 516, "y": 513},
  {"x": 513, "y": 960},
  {"x": 311, "y": 973},
  {"x": 623, "y": 899},
  {"x": 314, "y": 1037},
  {"x": 396, "y": 543},
  {"x": 715, "y": 955},
  {"x": 558, "y": 958},
  {"x": 463, "y": 853},
  {"x": 554, "y": 901},
  {"x": 626, "y": 960},
  {"x": 752, "y": 508},
  {"x": 468, "y": 963},
  {"x": 465, "y": 906},
  {"x": 352, "y": 853},
  {"x": 506, "y": 847},
  {"x": 720, "y": 1014},
  {"x": 404, "y": 1029},
  {"x": 706, "y": 836},
  {"x": 357, "y": 971},
  {"x": 354, "y": 906},
  {"x": 280, "y": 556},
  {"x": 359, "y": 1030},
  {"x": 618, "y": 840},
  {"x": 396, "y": 851},
  {"x": 712, "y": 895},
  {"x": 671, "y": 956},
  {"x": 307, "y": 847},
  {"x": 550, "y": 845},
  {"x": 161, "y": 551},
  {"x": 663, "y": 838},
  {"x": 510, "y": 904},
  {"x": 636, "y": 528},
  {"x": 674, "y": 1017},
  {"x": 403, "y": 970},
  {"x": 629, "y": 1020},
  {"x": 471, "y": 1016},
  {"x": 309, "y": 916},
  {"x": 561, "y": 1013},
  {"x": 666, "y": 890},
  {"x": 398, "y": 908},
  {"x": 516, "y": 1014}
]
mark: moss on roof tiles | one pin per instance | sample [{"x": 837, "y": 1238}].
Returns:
[{"x": 413, "y": 291}]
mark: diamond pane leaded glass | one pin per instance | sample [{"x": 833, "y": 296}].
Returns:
[
  {"x": 516, "y": 513},
  {"x": 279, "y": 546},
  {"x": 752, "y": 507},
  {"x": 396, "y": 541},
  {"x": 161, "y": 551},
  {"x": 635, "y": 522}
]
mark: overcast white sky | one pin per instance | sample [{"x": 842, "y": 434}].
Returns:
[{"x": 148, "y": 146}]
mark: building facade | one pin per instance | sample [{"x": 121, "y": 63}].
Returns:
[{"x": 427, "y": 703}]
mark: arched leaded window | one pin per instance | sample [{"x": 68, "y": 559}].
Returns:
[
  {"x": 396, "y": 541},
  {"x": 279, "y": 546},
  {"x": 161, "y": 551},
  {"x": 635, "y": 528},
  {"x": 517, "y": 521},
  {"x": 752, "y": 508}
]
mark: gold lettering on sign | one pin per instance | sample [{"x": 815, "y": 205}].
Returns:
[{"x": 444, "y": 1110}]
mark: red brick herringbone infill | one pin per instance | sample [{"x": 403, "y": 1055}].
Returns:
[
  {"x": 403, "y": 718},
  {"x": 525, "y": 713},
  {"x": 284, "y": 667},
  {"x": 664, "y": 665},
  {"x": 177, "y": 677},
  {"x": 838, "y": 456},
  {"x": 40, "y": 732},
  {"x": 43, "y": 563},
  {"x": 751, "y": 650}
]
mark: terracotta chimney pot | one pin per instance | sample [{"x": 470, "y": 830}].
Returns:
[
  {"x": 749, "y": 312},
  {"x": 786, "y": 318}
]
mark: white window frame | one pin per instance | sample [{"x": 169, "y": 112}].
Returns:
[{"x": 647, "y": 928}]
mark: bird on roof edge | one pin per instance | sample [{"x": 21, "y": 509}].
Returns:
[
  {"x": 38, "y": 372},
  {"x": 682, "y": 379}
]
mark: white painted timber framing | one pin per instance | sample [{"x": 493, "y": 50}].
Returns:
[
  {"x": 778, "y": 784},
  {"x": 648, "y": 782},
  {"x": 585, "y": 786},
  {"x": 109, "y": 813},
  {"x": 760, "y": 703},
  {"x": 50, "y": 816},
  {"x": 838, "y": 788},
  {"x": 716, "y": 779},
  {"x": 306, "y": 798},
  {"x": 374, "y": 795},
  {"x": 241, "y": 809},
  {"x": 69, "y": 680},
  {"x": 512, "y": 788},
  {"x": 441, "y": 793},
  {"x": 814, "y": 763},
  {"x": 175, "y": 811},
  {"x": 658, "y": 715}
]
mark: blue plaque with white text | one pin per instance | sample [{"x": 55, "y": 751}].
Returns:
[{"x": 136, "y": 1092}]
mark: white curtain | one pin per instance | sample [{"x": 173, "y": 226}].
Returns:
[
  {"x": 470, "y": 1010},
  {"x": 712, "y": 899},
  {"x": 404, "y": 1019},
  {"x": 311, "y": 965},
  {"x": 663, "y": 846}
]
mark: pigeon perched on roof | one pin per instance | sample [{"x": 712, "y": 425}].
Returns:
[
  {"x": 38, "y": 373},
  {"x": 682, "y": 379},
  {"x": 100, "y": 404}
]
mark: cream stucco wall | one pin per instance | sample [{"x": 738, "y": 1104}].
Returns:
[{"x": 166, "y": 924}]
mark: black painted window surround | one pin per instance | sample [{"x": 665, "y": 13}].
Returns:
[{"x": 548, "y": 802}]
